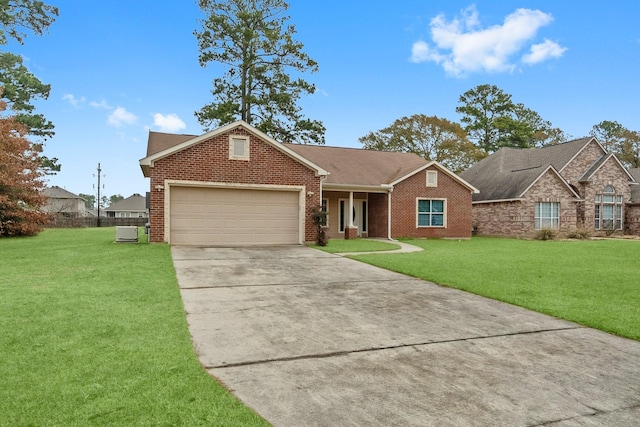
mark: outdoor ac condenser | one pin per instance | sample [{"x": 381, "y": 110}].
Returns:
[{"x": 126, "y": 233}]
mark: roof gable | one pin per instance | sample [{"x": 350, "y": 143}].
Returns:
[
  {"x": 588, "y": 175},
  {"x": 552, "y": 170},
  {"x": 169, "y": 145}
]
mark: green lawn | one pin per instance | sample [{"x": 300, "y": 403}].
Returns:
[
  {"x": 595, "y": 283},
  {"x": 356, "y": 245},
  {"x": 94, "y": 333}
]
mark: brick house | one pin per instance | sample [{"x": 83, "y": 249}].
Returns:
[
  {"x": 632, "y": 217},
  {"x": 562, "y": 187},
  {"x": 133, "y": 206},
  {"x": 237, "y": 186}
]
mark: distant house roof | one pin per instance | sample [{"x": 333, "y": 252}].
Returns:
[
  {"x": 134, "y": 203},
  {"x": 56, "y": 192}
]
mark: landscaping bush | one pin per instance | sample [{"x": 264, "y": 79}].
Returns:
[
  {"x": 580, "y": 233},
  {"x": 546, "y": 234}
]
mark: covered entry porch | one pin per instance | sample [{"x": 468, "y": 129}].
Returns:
[{"x": 354, "y": 212}]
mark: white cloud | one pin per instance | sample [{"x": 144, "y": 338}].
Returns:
[
  {"x": 101, "y": 104},
  {"x": 72, "y": 99},
  {"x": 120, "y": 117},
  {"x": 462, "y": 46},
  {"x": 168, "y": 122},
  {"x": 543, "y": 51}
]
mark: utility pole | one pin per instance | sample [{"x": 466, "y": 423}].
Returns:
[{"x": 98, "y": 220}]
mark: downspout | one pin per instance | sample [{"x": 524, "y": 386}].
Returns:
[{"x": 389, "y": 214}]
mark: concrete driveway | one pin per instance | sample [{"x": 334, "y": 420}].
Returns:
[{"x": 307, "y": 338}]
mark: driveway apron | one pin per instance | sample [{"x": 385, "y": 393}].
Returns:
[{"x": 307, "y": 338}]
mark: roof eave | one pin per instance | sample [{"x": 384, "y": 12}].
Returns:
[{"x": 367, "y": 188}]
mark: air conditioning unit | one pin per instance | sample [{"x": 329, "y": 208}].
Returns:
[{"x": 126, "y": 233}]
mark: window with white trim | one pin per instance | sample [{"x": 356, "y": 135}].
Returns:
[
  {"x": 238, "y": 147},
  {"x": 431, "y": 212},
  {"x": 608, "y": 210},
  {"x": 547, "y": 215},
  {"x": 432, "y": 178}
]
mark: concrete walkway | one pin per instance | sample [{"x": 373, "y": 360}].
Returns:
[
  {"x": 404, "y": 248},
  {"x": 307, "y": 338}
]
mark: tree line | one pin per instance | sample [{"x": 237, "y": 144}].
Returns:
[{"x": 490, "y": 120}]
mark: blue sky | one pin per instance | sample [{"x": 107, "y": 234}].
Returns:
[{"x": 120, "y": 68}]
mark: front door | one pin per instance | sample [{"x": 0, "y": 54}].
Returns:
[{"x": 360, "y": 216}]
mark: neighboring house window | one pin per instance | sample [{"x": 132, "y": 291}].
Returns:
[
  {"x": 432, "y": 178},
  {"x": 341, "y": 221},
  {"x": 547, "y": 215},
  {"x": 431, "y": 213},
  {"x": 608, "y": 210},
  {"x": 238, "y": 147},
  {"x": 325, "y": 209}
]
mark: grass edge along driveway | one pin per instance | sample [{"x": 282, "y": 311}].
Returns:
[
  {"x": 94, "y": 333},
  {"x": 595, "y": 283}
]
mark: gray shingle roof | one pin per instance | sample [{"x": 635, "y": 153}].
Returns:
[
  {"x": 56, "y": 192},
  {"x": 353, "y": 166},
  {"x": 508, "y": 172},
  {"x": 135, "y": 203}
]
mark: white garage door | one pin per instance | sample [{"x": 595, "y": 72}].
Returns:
[{"x": 230, "y": 217}]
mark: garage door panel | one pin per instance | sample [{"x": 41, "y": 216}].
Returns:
[{"x": 220, "y": 216}]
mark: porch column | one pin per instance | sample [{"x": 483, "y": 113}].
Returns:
[
  {"x": 389, "y": 214},
  {"x": 350, "y": 209},
  {"x": 350, "y": 231}
]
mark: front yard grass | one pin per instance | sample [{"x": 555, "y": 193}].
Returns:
[
  {"x": 356, "y": 245},
  {"x": 595, "y": 283},
  {"x": 94, "y": 333}
]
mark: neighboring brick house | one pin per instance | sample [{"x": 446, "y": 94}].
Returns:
[
  {"x": 134, "y": 206},
  {"x": 237, "y": 186},
  {"x": 632, "y": 217},
  {"x": 562, "y": 187}
]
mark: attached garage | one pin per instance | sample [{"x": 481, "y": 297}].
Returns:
[{"x": 207, "y": 216}]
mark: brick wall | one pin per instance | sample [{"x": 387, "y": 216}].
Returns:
[
  {"x": 209, "y": 161},
  {"x": 632, "y": 219},
  {"x": 609, "y": 173},
  {"x": 517, "y": 218},
  {"x": 582, "y": 162},
  {"x": 404, "y": 207}
]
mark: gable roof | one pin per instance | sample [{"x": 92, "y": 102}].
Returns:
[
  {"x": 509, "y": 172},
  {"x": 134, "y": 203},
  {"x": 168, "y": 145},
  {"x": 160, "y": 141},
  {"x": 358, "y": 167},
  {"x": 346, "y": 167},
  {"x": 601, "y": 161},
  {"x": 56, "y": 192}
]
